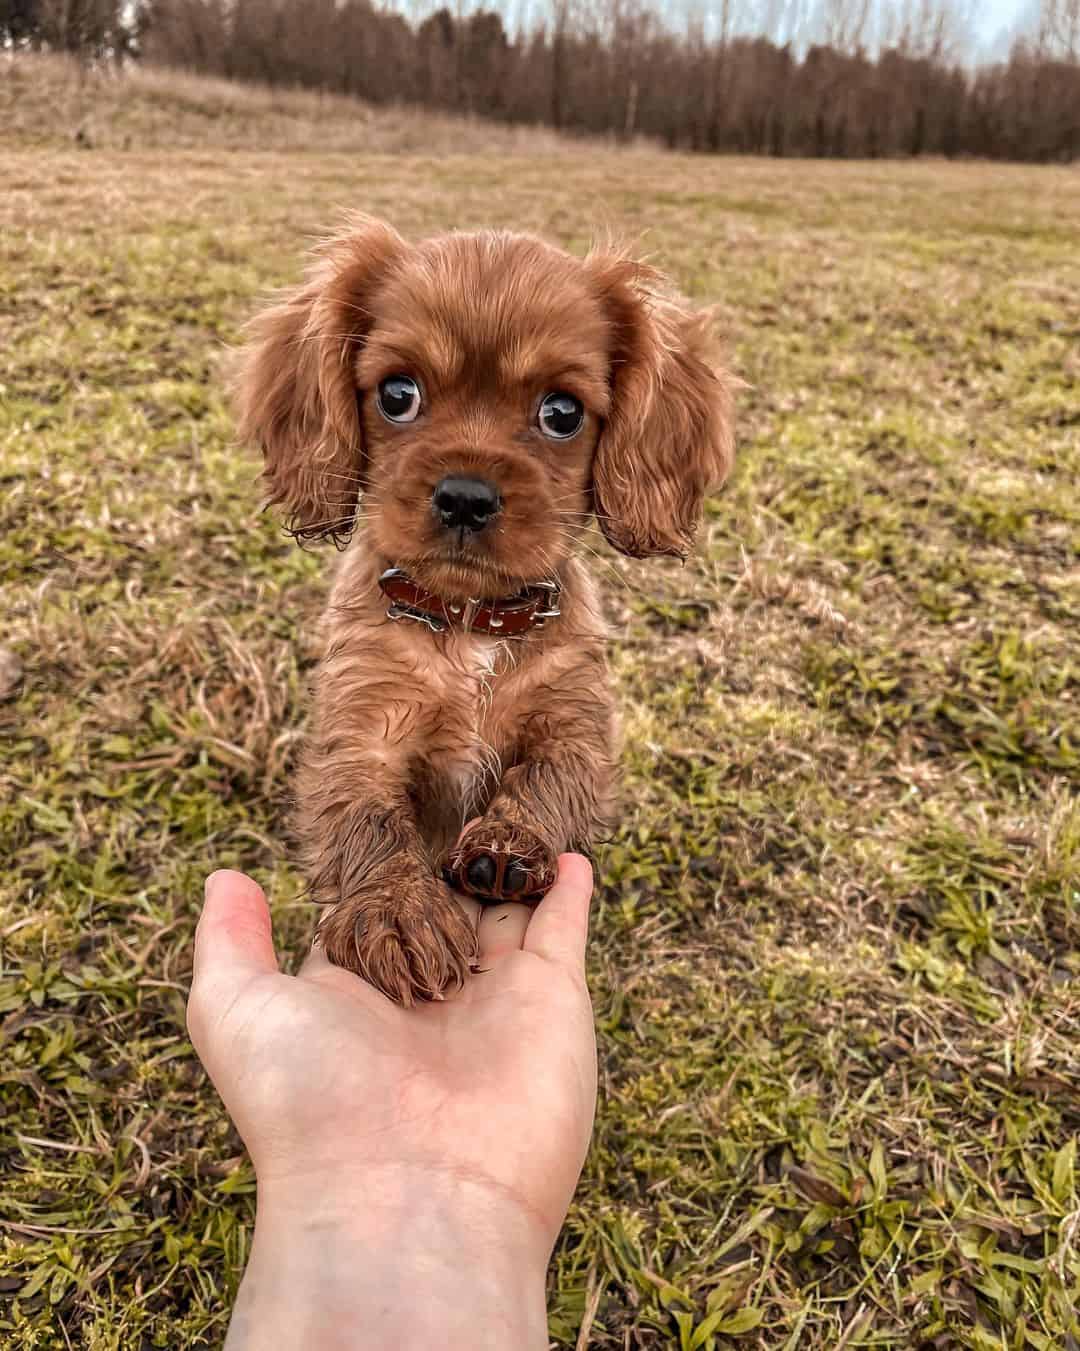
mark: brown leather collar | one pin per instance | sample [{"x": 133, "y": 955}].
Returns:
[{"x": 509, "y": 617}]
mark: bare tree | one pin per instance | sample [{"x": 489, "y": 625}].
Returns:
[
  {"x": 559, "y": 38},
  {"x": 844, "y": 24},
  {"x": 1059, "y": 29},
  {"x": 937, "y": 30},
  {"x": 90, "y": 28}
]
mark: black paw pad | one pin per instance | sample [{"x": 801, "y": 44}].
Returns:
[
  {"x": 482, "y": 872},
  {"x": 515, "y": 878}
]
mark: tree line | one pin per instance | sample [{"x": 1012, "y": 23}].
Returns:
[{"x": 867, "y": 78}]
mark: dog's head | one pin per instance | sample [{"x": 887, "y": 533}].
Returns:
[{"x": 476, "y": 397}]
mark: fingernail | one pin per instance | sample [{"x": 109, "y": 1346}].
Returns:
[{"x": 212, "y": 882}]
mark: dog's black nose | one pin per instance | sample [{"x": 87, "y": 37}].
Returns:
[{"x": 465, "y": 503}]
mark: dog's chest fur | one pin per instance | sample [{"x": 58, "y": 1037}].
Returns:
[{"x": 470, "y": 730}]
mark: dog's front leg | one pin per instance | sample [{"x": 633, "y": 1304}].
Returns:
[
  {"x": 555, "y": 796},
  {"x": 388, "y": 917}
]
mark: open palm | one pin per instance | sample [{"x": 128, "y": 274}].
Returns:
[{"x": 333, "y": 1086}]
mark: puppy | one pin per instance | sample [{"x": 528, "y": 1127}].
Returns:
[{"x": 456, "y": 411}]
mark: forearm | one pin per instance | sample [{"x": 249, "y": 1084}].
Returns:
[{"x": 407, "y": 1266}]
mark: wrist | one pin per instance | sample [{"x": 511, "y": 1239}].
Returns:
[{"x": 396, "y": 1259}]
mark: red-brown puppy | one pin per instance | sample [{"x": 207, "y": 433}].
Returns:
[{"x": 464, "y": 405}]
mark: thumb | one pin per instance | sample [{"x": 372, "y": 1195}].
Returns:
[
  {"x": 559, "y": 925},
  {"x": 233, "y": 941}
]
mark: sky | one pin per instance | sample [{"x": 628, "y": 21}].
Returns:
[
  {"x": 989, "y": 26},
  {"x": 985, "y": 28},
  {"x": 991, "y": 16},
  {"x": 996, "y": 14}
]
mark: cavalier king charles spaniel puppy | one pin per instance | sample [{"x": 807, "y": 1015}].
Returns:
[{"x": 455, "y": 412}]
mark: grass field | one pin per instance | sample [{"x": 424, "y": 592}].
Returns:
[{"x": 837, "y": 943}]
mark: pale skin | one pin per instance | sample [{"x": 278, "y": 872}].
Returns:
[{"x": 414, "y": 1165}]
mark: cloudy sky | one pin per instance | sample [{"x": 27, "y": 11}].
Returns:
[
  {"x": 991, "y": 16},
  {"x": 991, "y": 24},
  {"x": 997, "y": 13}
]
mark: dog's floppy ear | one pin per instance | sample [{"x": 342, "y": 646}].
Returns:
[
  {"x": 667, "y": 438},
  {"x": 295, "y": 389}
]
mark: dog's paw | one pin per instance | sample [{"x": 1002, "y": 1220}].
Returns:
[
  {"x": 497, "y": 861},
  {"x": 413, "y": 943}
]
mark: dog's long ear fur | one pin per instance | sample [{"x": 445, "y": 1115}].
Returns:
[
  {"x": 294, "y": 387},
  {"x": 668, "y": 435}
]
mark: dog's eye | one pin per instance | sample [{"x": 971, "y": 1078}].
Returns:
[
  {"x": 561, "y": 415},
  {"x": 399, "y": 398}
]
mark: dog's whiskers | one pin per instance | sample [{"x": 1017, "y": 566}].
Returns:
[
  {"x": 565, "y": 511},
  {"x": 349, "y": 504},
  {"x": 583, "y": 515},
  {"x": 603, "y": 562},
  {"x": 332, "y": 523},
  {"x": 349, "y": 478}
]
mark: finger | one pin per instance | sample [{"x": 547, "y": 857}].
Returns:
[
  {"x": 315, "y": 962},
  {"x": 502, "y": 929},
  {"x": 233, "y": 940},
  {"x": 470, "y": 905},
  {"x": 560, "y": 923}
]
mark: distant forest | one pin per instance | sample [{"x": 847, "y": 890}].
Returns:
[{"x": 830, "y": 78}]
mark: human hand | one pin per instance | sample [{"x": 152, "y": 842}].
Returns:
[{"x": 414, "y": 1165}]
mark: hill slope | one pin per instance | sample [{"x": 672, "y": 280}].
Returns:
[{"x": 52, "y": 101}]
